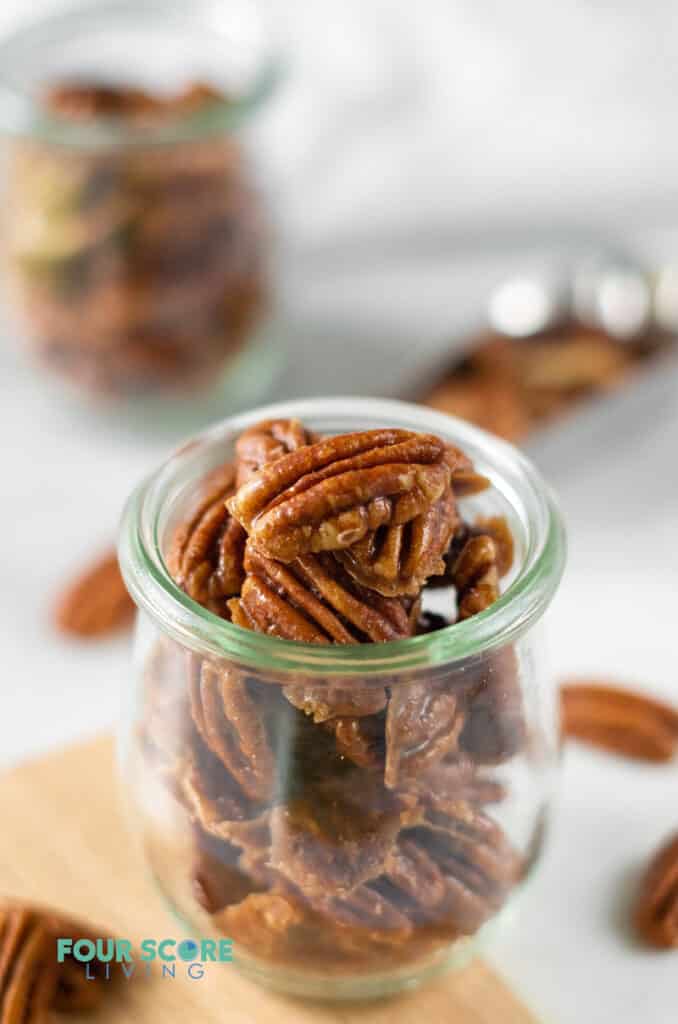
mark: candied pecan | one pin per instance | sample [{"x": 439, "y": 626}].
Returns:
[
  {"x": 619, "y": 721},
  {"x": 329, "y": 495},
  {"x": 323, "y": 701},
  {"x": 232, "y": 723},
  {"x": 206, "y": 553},
  {"x": 495, "y": 728},
  {"x": 267, "y": 923},
  {"x": 499, "y": 530},
  {"x": 31, "y": 980},
  {"x": 476, "y": 577},
  {"x": 422, "y": 726},
  {"x": 364, "y": 918},
  {"x": 398, "y": 559},
  {"x": 314, "y": 600},
  {"x": 360, "y": 739},
  {"x": 464, "y": 477},
  {"x": 656, "y": 908},
  {"x": 218, "y": 880},
  {"x": 28, "y": 974},
  {"x": 494, "y": 405},
  {"x": 210, "y": 794},
  {"x": 336, "y": 837},
  {"x": 456, "y": 777},
  {"x": 267, "y": 441},
  {"x": 97, "y": 602},
  {"x": 478, "y": 864}
]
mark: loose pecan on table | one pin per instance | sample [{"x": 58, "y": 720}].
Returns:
[
  {"x": 656, "y": 908},
  {"x": 96, "y": 603},
  {"x": 32, "y": 982},
  {"x": 619, "y": 721}
]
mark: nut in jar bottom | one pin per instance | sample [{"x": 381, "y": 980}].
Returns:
[{"x": 303, "y": 854}]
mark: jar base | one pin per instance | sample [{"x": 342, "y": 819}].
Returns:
[{"x": 355, "y": 988}]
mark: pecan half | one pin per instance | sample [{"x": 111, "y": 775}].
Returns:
[
  {"x": 96, "y": 603},
  {"x": 422, "y": 726},
  {"x": 398, "y": 559},
  {"x": 476, "y": 577},
  {"x": 656, "y": 909},
  {"x": 329, "y": 495},
  {"x": 495, "y": 727},
  {"x": 314, "y": 600},
  {"x": 232, "y": 723},
  {"x": 206, "y": 552},
  {"x": 619, "y": 721},
  {"x": 31, "y": 980},
  {"x": 27, "y": 966},
  {"x": 267, "y": 441},
  {"x": 336, "y": 837}
]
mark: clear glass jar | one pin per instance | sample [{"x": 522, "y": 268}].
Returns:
[
  {"x": 351, "y": 852},
  {"x": 135, "y": 236}
]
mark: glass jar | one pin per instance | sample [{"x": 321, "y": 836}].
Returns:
[
  {"x": 135, "y": 238},
  {"x": 354, "y": 817}
]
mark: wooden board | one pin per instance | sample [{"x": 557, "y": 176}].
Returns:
[{"x": 63, "y": 842}]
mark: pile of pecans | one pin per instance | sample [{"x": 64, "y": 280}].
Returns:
[
  {"x": 137, "y": 268},
  {"x": 339, "y": 823},
  {"x": 513, "y": 385}
]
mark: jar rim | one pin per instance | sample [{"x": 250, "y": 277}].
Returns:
[
  {"x": 524, "y": 601},
  {"x": 21, "y": 114}
]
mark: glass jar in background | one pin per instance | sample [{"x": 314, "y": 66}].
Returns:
[
  {"x": 355, "y": 817},
  {"x": 136, "y": 244}
]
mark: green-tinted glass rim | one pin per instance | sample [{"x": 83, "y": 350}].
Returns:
[
  {"x": 519, "y": 607},
  {"x": 22, "y": 116}
]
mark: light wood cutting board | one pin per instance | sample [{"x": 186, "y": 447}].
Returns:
[{"x": 63, "y": 841}]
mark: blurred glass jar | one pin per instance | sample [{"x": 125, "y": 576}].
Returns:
[
  {"x": 354, "y": 817},
  {"x": 135, "y": 236}
]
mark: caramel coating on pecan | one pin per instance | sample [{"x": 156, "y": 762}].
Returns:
[
  {"x": 422, "y": 726},
  {"x": 217, "y": 879},
  {"x": 27, "y": 969},
  {"x": 209, "y": 792},
  {"x": 334, "y": 700},
  {"x": 399, "y": 559},
  {"x": 96, "y": 602},
  {"x": 476, "y": 576},
  {"x": 205, "y": 557},
  {"x": 495, "y": 728},
  {"x": 267, "y": 441},
  {"x": 335, "y": 838},
  {"x": 232, "y": 724},
  {"x": 329, "y": 495},
  {"x": 31, "y": 981},
  {"x": 656, "y": 909},
  {"x": 619, "y": 721},
  {"x": 361, "y": 739},
  {"x": 314, "y": 600}
]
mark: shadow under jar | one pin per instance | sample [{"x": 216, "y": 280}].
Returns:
[
  {"x": 355, "y": 816},
  {"x": 135, "y": 236}
]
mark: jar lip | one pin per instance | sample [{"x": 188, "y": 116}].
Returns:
[
  {"x": 21, "y": 114},
  {"x": 524, "y": 601}
]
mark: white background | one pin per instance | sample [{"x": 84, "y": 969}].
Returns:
[{"x": 407, "y": 137}]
